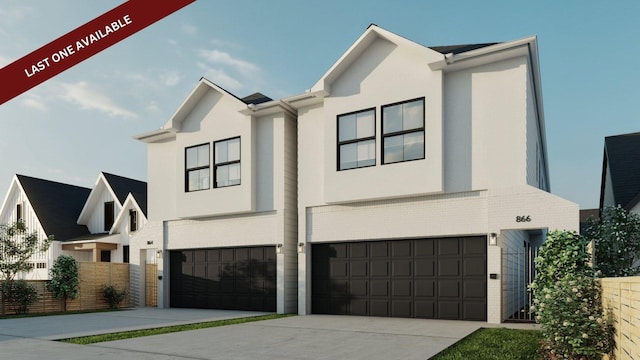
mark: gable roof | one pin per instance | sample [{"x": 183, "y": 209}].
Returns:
[
  {"x": 371, "y": 34},
  {"x": 119, "y": 187},
  {"x": 129, "y": 203},
  {"x": 56, "y": 205},
  {"x": 622, "y": 157},
  {"x": 122, "y": 186}
]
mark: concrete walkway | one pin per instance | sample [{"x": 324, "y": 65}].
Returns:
[{"x": 299, "y": 337}]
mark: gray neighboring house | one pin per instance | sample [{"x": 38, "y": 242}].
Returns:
[{"x": 620, "y": 183}]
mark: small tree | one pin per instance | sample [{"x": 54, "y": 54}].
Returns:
[
  {"x": 17, "y": 245},
  {"x": 616, "y": 236},
  {"x": 65, "y": 281}
]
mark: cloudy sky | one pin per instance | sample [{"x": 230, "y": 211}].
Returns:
[{"x": 82, "y": 121}]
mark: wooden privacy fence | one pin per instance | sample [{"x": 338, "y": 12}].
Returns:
[
  {"x": 93, "y": 277},
  {"x": 621, "y": 296}
]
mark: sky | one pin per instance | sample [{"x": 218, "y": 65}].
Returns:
[{"x": 82, "y": 121}]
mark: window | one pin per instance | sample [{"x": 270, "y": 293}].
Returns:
[
  {"x": 125, "y": 254},
  {"x": 108, "y": 215},
  {"x": 226, "y": 166},
  {"x": 19, "y": 213},
  {"x": 105, "y": 255},
  {"x": 197, "y": 168},
  {"x": 133, "y": 220},
  {"x": 403, "y": 131},
  {"x": 357, "y": 139}
]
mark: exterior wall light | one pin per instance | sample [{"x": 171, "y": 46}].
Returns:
[
  {"x": 279, "y": 249},
  {"x": 159, "y": 254},
  {"x": 301, "y": 248},
  {"x": 493, "y": 239}
]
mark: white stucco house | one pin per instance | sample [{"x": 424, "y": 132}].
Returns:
[
  {"x": 409, "y": 181},
  {"x": 89, "y": 224}
]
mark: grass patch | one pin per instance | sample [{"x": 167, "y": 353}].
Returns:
[
  {"x": 85, "y": 340},
  {"x": 495, "y": 343}
]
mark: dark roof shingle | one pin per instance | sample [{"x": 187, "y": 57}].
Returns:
[
  {"x": 57, "y": 206},
  {"x": 122, "y": 186},
  {"x": 457, "y": 49}
]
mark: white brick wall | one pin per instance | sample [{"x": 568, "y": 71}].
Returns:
[{"x": 432, "y": 216}]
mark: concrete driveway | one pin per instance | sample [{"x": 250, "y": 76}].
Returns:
[{"x": 299, "y": 337}]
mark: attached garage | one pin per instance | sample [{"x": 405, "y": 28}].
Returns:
[
  {"x": 241, "y": 278},
  {"x": 443, "y": 278}
]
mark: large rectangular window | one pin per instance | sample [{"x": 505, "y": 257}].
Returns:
[
  {"x": 197, "y": 168},
  {"x": 226, "y": 165},
  {"x": 403, "y": 131},
  {"x": 357, "y": 139}
]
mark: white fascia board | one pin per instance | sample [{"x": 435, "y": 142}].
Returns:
[
  {"x": 306, "y": 99},
  {"x": 92, "y": 196},
  {"x": 268, "y": 108},
  {"x": 157, "y": 135},
  {"x": 130, "y": 202},
  {"x": 483, "y": 55},
  {"x": 14, "y": 183}
]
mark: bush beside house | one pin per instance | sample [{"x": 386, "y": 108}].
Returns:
[{"x": 567, "y": 298}]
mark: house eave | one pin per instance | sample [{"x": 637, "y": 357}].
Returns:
[{"x": 157, "y": 135}]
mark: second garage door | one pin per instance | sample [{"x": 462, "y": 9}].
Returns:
[
  {"x": 442, "y": 278},
  {"x": 242, "y": 278}
]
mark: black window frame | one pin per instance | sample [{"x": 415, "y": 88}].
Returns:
[
  {"x": 226, "y": 163},
  {"x": 356, "y": 139},
  {"x": 404, "y": 132},
  {"x": 109, "y": 215},
  {"x": 188, "y": 170},
  {"x": 133, "y": 220}
]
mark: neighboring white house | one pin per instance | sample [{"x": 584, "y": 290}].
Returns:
[
  {"x": 411, "y": 181},
  {"x": 89, "y": 224}
]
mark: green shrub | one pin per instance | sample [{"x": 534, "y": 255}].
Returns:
[
  {"x": 19, "y": 295},
  {"x": 616, "y": 236},
  {"x": 113, "y": 296},
  {"x": 567, "y": 299},
  {"x": 65, "y": 280}
]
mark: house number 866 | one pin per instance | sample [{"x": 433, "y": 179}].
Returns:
[{"x": 523, "y": 218}]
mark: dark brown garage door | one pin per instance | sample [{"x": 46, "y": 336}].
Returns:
[
  {"x": 225, "y": 278},
  {"x": 441, "y": 278}
]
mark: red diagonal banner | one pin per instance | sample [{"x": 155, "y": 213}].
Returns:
[{"x": 82, "y": 43}]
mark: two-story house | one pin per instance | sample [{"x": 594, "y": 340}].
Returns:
[
  {"x": 411, "y": 181},
  {"x": 89, "y": 224}
]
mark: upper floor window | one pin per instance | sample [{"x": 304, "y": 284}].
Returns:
[
  {"x": 133, "y": 220},
  {"x": 197, "y": 168},
  {"x": 403, "y": 131},
  {"x": 357, "y": 139},
  {"x": 19, "y": 212},
  {"x": 226, "y": 165},
  {"x": 108, "y": 215}
]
